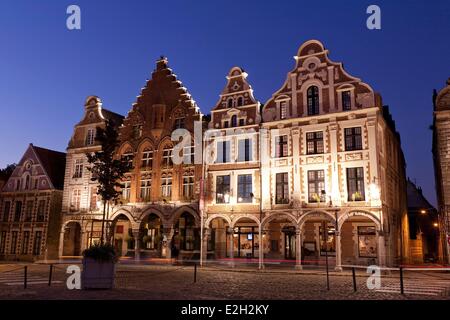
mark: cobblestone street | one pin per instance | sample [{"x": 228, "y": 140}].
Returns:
[{"x": 177, "y": 282}]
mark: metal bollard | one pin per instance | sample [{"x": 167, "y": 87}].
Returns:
[
  {"x": 195, "y": 272},
  {"x": 354, "y": 279},
  {"x": 50, "y": 275},
  {"x": 402, "y": 289},
  {"x": 25, "y": 277}
]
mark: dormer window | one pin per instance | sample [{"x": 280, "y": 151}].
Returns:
[
  {"x": 234, "y": 121},
  {"x": 90, "y": 137},
  {"x": 230, "y": 103},
  {"x": 240, "y": 101},
  {"x": 225, "y": 124},
  {"x": 283, "y": 110},
  {"x": 313, "y": 100},
  {"x": 346, "y": 100},
  {"x": 241, "y": 122}
]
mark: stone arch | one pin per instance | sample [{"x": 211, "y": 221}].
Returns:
[
  {"x": 217, "y": 216},
  {"x": 146, "y": 143},
  {"x": 178, "y": 212},
  {"x": 240, "y": 217},
  {"x": 125, "y": 147},
  {"x": 361, "y": 213},
  {"x": 72, "y": 238},
  {"x": 150, "y": 211},
  {"x": 126, "y": 213},
  {"x": 308, "y": 214},
  {"x": 271, "y": 217},
  {"x": 164, "y": 143}
]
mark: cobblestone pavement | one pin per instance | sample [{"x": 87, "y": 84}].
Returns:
[{"x": 177, "y": 283}]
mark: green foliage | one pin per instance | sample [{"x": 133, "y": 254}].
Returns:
[
  {"x": 6, "y": 172},
  {"x": 101, "y": 252},
  {"x": 106, "y": 169}
]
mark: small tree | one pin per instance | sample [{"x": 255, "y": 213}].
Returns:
[
  {"x": 106, "y": 169},
  {"x": 7, "y": 171}
]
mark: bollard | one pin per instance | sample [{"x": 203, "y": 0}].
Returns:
[
  {"x": 354, "y": 279},
  {"x": 195, "y": 272},
  {"x": 25, "y": 277},
  {"x": 50, "y": 276},
  {"x": 402, "y": 289}
]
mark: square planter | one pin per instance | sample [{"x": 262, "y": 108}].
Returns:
[{"x": 97, "y": 274}]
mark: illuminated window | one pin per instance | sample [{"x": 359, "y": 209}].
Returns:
[
  {"x": 355, "y": 184},
  {"x": 314, "y": 142},
  {"x": 166, "y": 187},
  {"x": 282, "y": 188},
  {"x": 281, "y": 146},
  {"x": 147, "y": 159},
  {"x": 146, "y": 186},
  {"x": 316, "y": 186},
  {"x": 126, "y": 190},
  {"x": 167, "y": 158},
  {"x": 188, "y": 187},
  {"x": 245, "y": 188},
  {"x": 283, "y": 110},
  {"x": 75, "y": 200},
  {"x": 222, "y": 189}
]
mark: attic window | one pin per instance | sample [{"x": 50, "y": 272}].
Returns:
[
  {"x": 230, "y": 103},
  {"x": 240, "y": 101}
]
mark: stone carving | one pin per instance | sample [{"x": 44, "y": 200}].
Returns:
[
  {"x": 353, "y": 156},
  {"x": 315, "y": 159}
]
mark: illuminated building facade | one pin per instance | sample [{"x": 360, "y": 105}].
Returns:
[
  {"x": 30, "y": 206},
  {"x": 329, "y": 177}
]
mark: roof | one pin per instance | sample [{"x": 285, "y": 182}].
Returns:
[
  {"x": 110, "y": 115},
  {"x": 54, "y": 163},
  {"x": 415, "y": 197}
]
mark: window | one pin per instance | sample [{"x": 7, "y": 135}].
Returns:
[
  {"x": 240, "y": 101},
  {"x": 328, "y": 240},
  {"x": 223, "y": 152},
  {"x": 25, "y": 242},
  {"x": 283, "y": 110},
  {"x": 245, "y": 150},
  {"x": 346, "y": 100},
  {"x": 282, "y": 188},
  {"x": 355, "y": 184},
  {"x": 241, "y": 122},
  {"x": 166, "y": 187},
  {"x": 281, "y": 146},
  {"x": 234, "y": 121},
  {"x": 2, "y": 242},
  {"x": 225, "y": 124},
  {"x": 93, "y": 200},
  {"x": 27, "y": 182},
  {"x": 245, "y": 188},
  {"x": 188, "y": 187},
  {"x": 222, "y": 189},
  {"x": 78, "y": 169},
  {"x": 126, "y": 190},
  {"x": 167, "y": 158},
  {"x": 41, "y": 211},
  {"x": 14, "y": 236},
  {"x": 75, "y": 201},
  {"x": 29, "y": 211},
  {"x": 316, "y": 186},
  {"x": 137, "y": 131},
  {"x": 179, "y": 123},
  {"x": 146, "y": 186},
  {"x": 128, "y": 157},
  {"x": 147, "y": 159},
  {"x": 90, "y": 137},
  {"x": 367, "y": 242},
  {"x": 18, "y": 184},
  {"x": 313, "y": 100},
  {"x": 6, "y": 210},
  {"x": 353, "y": 140},
  {"x": 37, "y": 243},
  {"x": 188, "y": 155},
  {"x": 18, "y": 211},
  {"x": 230, "y": 103},
  {"x": 314, "y": 142}
]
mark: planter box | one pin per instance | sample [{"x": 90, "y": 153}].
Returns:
[{"x": 97, "y": 274}]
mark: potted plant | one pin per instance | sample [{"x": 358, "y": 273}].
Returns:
[
  {"x": 357, "y": 196},
  {"x": 99, "y": 266}
]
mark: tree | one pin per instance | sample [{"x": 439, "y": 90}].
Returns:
[
  {"x": 107, "y": 170},
  {"x": 7, "y": 171}
]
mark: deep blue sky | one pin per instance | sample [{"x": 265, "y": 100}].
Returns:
[{"x": 47, "y": 71}]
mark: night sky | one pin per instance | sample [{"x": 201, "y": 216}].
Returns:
[{"x": 47, "y": 71}]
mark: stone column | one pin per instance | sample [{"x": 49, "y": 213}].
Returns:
[
  {"x": 261, "y": 250},
  {"x": 297, "y": 172},
  {"x": 333, "y": 147},
  {"x": 167, "y": 242},
  {"x": 137, "y": 245},
  {"x": 298, "y": 249},
  {"x": 231, "y": 246},
  {"x": 83, "y": 240},
  {"x": 61, "y": 244},
  {"x": 337, "y": 237},
  {"x": 381, "y": 250},
  {"x": 204, "y": 256}
]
